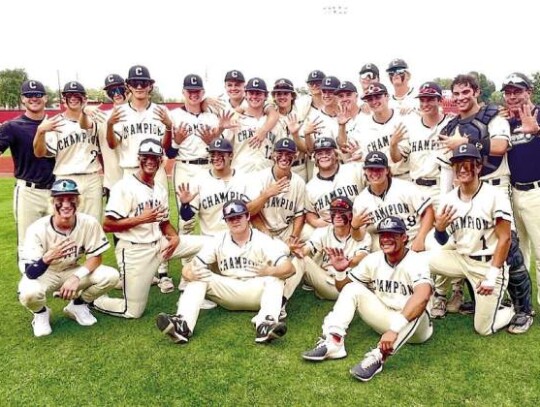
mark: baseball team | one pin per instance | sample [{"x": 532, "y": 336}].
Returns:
[{"x": 375, "y": 199}]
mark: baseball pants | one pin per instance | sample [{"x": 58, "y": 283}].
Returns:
[{"x": 313, "y": 274}]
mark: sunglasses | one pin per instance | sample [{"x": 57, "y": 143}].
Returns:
[
  {"x": 234, "y": 209},
  {"x": 31, "y": 95},
  {"x": 370, "y": 98},
  {"x": 135, "y": 83},
  {"x": 396, "y": 72},
  {"x": 118, "y": 90},
  {"x": 513, "y": 92},
  {"x": 73, "y": 95},
  {"x": 367, "y": 75}
]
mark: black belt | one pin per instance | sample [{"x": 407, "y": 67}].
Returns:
[
  {"x": 484, "y": 259},
  {"x": 298, "y": 162},
  {"x": 495, "y": 182},
  {"x": 140, "y": 243},
  {"x": 425, "y": 182},
  {"x": 198, "y": 161},
  {"x": 37, "y": 186},
  {"x": 526, "y": 186}
]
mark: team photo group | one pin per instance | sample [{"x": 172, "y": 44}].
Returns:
[{"x": 377, "y": 198}]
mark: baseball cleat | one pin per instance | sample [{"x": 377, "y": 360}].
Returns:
[
  {"x": 41, "y": 324},
  {"x": 207, "y": 304},
  {"x": 174, "y": 326},
  {"x": 269, "y": 330},
  {"x": 439, "y": 307},
  {"x": 326, "y": 348},
  {"x": 166, "y": 285},
  {"x": 80, "y": 313},
  {"x": 467, "y": 308},
  {"x": 520, "y": 323},
  {"x": 455, "y": 302},
  {"x": 369, "y": 366}
]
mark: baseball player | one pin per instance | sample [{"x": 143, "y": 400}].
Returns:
[
  {"x": 205, "y": 194},
  {"x": 313, "y": 262},
  {"x": 277, "y": 195},
  {"x": 349, "y": 114},
  {"x": 53, "y": 249},
  {"x": 332, "y": 180},
  {"x": 76, "y": 150},
  {"x": 477, "y": 217},
  {"x": 403, "y": 98},
  {"x": 383, "y": 130},
  {"x": 387, "y": 196},
  {"x": 390, "y": 289},
  {"x": 369, "y": 73},
  {"x": 251, "y": 269},
  {"x": 138, "y": 214},
  {"x": 34, "y": 176},
  {"x": 314, "y": 82}
]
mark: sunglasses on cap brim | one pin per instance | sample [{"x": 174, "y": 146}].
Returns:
[
  {"x": 397, "y": 72},
  {"x": 234, "y": 209}
]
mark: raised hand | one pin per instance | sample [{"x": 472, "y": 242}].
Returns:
[{"x": 184, "y": 193}]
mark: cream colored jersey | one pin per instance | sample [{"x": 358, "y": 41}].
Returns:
[
  {"x": 212, "y": 194},
  {"x": 402, "y": 199},
  {"x": 75, "y": 150},
  {"x": 279, "y": 211},
  {"x": 232, "y": 259},
  {"x": 136, "y": 127},
  {"x": 409, "y": 102},
  {"x": 473, "y": 229},
  {"x": 374, "y": 136},
  {"x": 88, "y": 235},
  {"x": 329, "y": 126},
  {"x": 325, "y": 238},
  {"x": 193, "y": 147},
  {"x": 224, "y": 98},
  {"x": 393, "y": 285},
  {"x": 247, "y": 159},
  {"x": 282, "y": 131},
  {"x": 128, "y": 198},
  {"x": 423, "y": 148},
  {"x": 112, "y": 172},
  {"x": 348, "y": 181}
]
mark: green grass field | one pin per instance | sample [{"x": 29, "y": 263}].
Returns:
[{"x": 120, "y": 362}]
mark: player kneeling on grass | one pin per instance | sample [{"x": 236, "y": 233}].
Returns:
[
  {"x": 390, "y": 290},
  {"x": 52, "y": 249},
  {"x": 251, "y": 268}
]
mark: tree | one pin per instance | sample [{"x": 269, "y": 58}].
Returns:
[
  {"x": 535, "y": 97},
  {"x": 52, "y": 97},
  {"x": 156, "y": 96},
  {"x": 10, "y": 87},
  {"x": 497, "y": 98},
  {"x": 487, "y": 87},
  {"x": 97, "y": 95},
  {"x": 444, "y": 83}
]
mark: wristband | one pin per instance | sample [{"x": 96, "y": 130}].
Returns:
[
  {"x": 82, "y": 272},
  {"x": 341, "y": 275},
  {"x": 398, "y": 322}
]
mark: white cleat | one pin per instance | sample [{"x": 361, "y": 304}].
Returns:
[
  {"x": 42, "y": 323},
  {"x": 80, "y": 313}
]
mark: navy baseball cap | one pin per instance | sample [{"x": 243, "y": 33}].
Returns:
[
  {"x": 256, "y": 84},
  {"x": 396, "y": 64},
  {"x": 150, "y": 146},
  {"x": 330, "y": 83},
  {"x": 376, "y": 159},
  {"x": 139, "y": 72},
  {"x": 73, "y": 87},
  {"x": 346, "y": 86},
  {"x": 429, "y": 89},
  {"x": 64, "y": 186},
  {"x": 324, "y": 143},
  {"x": 113, "y": 80},
  {"x": 315, "y": 76},
  {"x": 283, "y": 85},
  {"x": 32, "y": 86},
  {"x": 465, "y": 151},
  {"x": 193, "y": 82},
  {"x": 234, "y": 75},
  {"x": 392, "y": 224},
  {"x": 369, "y": 67},
  {"x": 220, "y": 144},
  {"x": 517, "y": 80},
  {"x": 286, "y": 144},
  {"x": 375, "y": 88},
  {"x": 234, "y": 207}
]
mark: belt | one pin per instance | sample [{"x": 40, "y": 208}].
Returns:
[
  {"x": 425, "y": 182},
  {"x": 298, "y": 162},
  {"x": 484, "y": 259},
  {"x": 33, "y": 185},
  {"x": 495, "y": 182},
  {"x": 526, "y": 186},
  {"x": 198, "y": 161},
  {"x": 142, "y": 243}
]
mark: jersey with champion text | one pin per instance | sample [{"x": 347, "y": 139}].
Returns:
[
  {"x": 278, "y": 211},
  {"x": 348, "y": 181},
  {"x": 407, "y": 102},
  {"x": 374, "y": 136},
  {"x": 325, "y": 238},
  {"x": 393, "y": 285},
  {"x": 193, "y": 147},
  {"x": 212, "y": 194},
  {"x": 498, "y": 128},
  {"x": 329, "y": 126},
  {"x": 402, "y": 199},
  {"x": 232, "y": 259},
  {"x": 522, "y": 158},
  {"x": 473, "y": 229},
  {"x": 423, "y": 147},
  {"x": 128, "y": 199},
  {"x": 136, "y": 127},
  {"x": 247, "y": 159},
  {"x": 41, "y": 236},
  {"x": 75, "y": 150}
]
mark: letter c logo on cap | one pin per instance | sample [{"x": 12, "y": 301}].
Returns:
[
  {"x": 193, "y": 80},
  {"x": 138, "y": 71},
  {"x": 255, "y": 83},
  {"x": 32, "y": 85},
  {"x": 217, "y": 143},
  {"x": 327, "y": 81},
  {"x": 463, "y": 148},
  {"x": 234, "y": 74},
  {"x": 73, "y": 85},
  {"x": 110, "y": 79}
]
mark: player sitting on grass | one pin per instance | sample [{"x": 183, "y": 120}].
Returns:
[{"x": 390, "y": 290}]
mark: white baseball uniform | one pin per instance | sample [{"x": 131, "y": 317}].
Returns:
[
  {"x": 408, "y": 101},
  {"x": 112, "y": 172}
]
